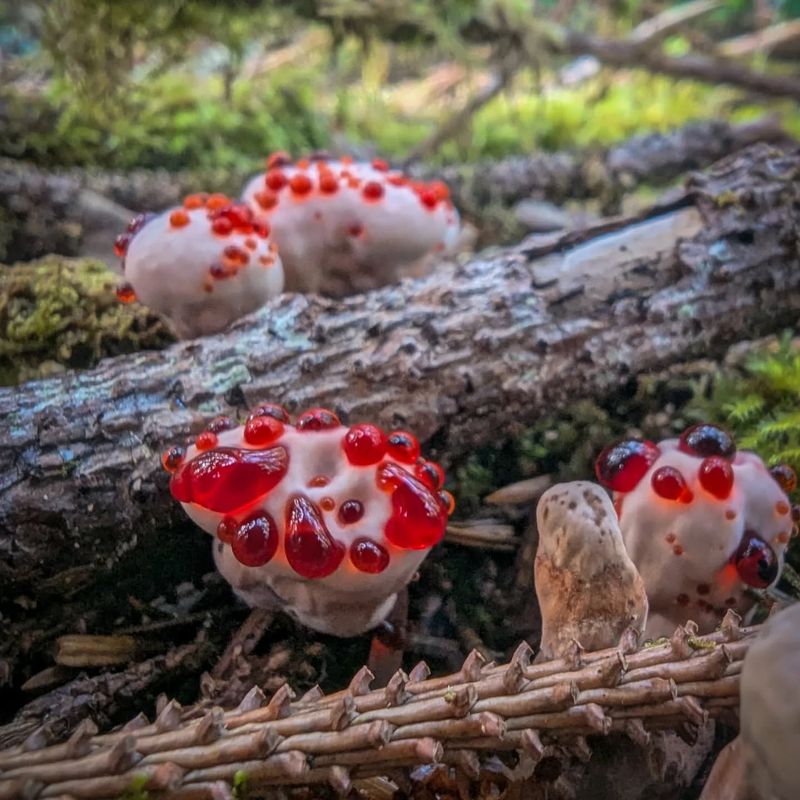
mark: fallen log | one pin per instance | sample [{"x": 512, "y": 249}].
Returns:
[{"x": 466, "y": 357}]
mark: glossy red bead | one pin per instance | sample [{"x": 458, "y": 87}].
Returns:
[
  {"x": 403, "y": 446},
  {"x": 351, "y": 511},
  {"x": 310, "y": 549},
  {"x": 705, "y": 439},
  {"x": 418, "y": 518},
  {"x": 716, "y": 476},
  {"x": 300, "y": 184},
  {"x": 368, "y": 556},
  {"x": 372, "y": 191},
  {"x": 275, "y": 180},
  {"x": 125, "y": 293},
  {"x": 785, "y": 477},
  {"x": 206, "y": 440},
  {"x": 226, "y": 529},
  {"x": 621, "y": 466},
  {"x": 364, "y": 445},
  {"x": 317, "y": 419},
  {"x": 227, "y": 479},
  {"x": 256, "y": 540},
  {"x": 173, "y": 458},
  {"x": 755, "y": 561},
  {"x": 262, "y": 430},
  {"x": 667, "y": 482},
  {"x": 430, "y": 473}
]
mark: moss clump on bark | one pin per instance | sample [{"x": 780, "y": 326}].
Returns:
[{"x": 59, "y": 313}]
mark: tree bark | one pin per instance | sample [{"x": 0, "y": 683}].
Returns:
[{"x": 465, "y": 357}]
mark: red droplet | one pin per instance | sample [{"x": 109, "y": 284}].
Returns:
[
  {"x": 206, "y": 440},
  {"x": 730, "y": 514},
  {"x": 356, "y": 230},
  {"x": 256, "y": 540},
  {"x": 430, "y": 473},
  {"x": 173, "y": 458},
  {"x": 235, "y": 256},
  {"x": 667, "y": 482},
  {"x": 317, "y": 419},
  {"x": 262, "y": 430},
  {"x": 217, "y": 201},
  {"x": 222, "y": 226},
  {"x": 275, "y": 180},
  {"x": 403, "y": 446},
  {"x": 121, "y": 245},
  {"x": 192, "y": 201},
  {"x": 670, "y": 538},
  {"x": 227, "y": 478},
  {"x": 448, "y": 502},
  {"x": 622, "y": 465},
  {"x": 310, "y": 549},
  {"x": 266, "y": 200},
  {"x": 319, "y": 481},
  {"x": 418, "y": 519},
  {"x": 755, "y": 561},
  {"x": 705, "y": 439},
  {"x": 372, "y": 191},
  {"x": 397, "y": 179},
  {"x": 351, "y": 511},
  {"x": 261, "y": 229},
  {"x": 280, "y": 158},
  {"x": 125, "y": 293},
  {"x": 271, "y": 410},
  {"x": 327, "y": 503},
  {"x": 226, "y": 529},
  {"x": 364, "y": 445},
  {"x": 785, "y": 477},
  {"x": 440, "y": 190},
  {"x": 300, "y": 184},
  {"x": 220, "y": 424},
  {"x": 380, "y": 165},
  {"x": 139, "y": 221},
  {"x": 328, "y": 183},
  {"x": 368, "y": 556},
  {"x": 179, "y": 218},
  {"x": 678, "y": 550},
  {"x": 429, "y": 199},
  {"x": 716, "y": 476},
  {"x": 782, "y": 508}
]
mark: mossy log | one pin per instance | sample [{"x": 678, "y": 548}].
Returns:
[{"x": 467, "y": 356}]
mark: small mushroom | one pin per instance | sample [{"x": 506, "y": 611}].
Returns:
[
  {"x": 588, "y": 588},
  {"x": 202, "y": 265},
  {"x": 702, "y": 521},
  {"x": 325, "y": 521},
  {"x": 343, "y": 226}
]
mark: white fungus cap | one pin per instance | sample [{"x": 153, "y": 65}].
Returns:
[
  {"x": 201, "y": 270},
  {"x": 331, "y": 556},
  {"x": 333, "y": 217}
]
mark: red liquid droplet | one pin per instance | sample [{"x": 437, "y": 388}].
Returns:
[
  {"x": 179, "y": 218},
  {"x": 310, "y": 549},
  {"x": 319, "y": 481},
  {"x": 667, "y": 482},
  {"x": 262, "y": 430},
  {"x": 217, "y": 201},
  {"x": 227, "y": 479},
  {"x": 327, "y": 504},
  {"x": 372, "y": 191},
  {"x": 301, "y": 184},
  {"x": 220, "y": 424},
  {"x": 121, "y": 245},
  {"x": 670, "y": 538},
  {"x": 266, "y": 200},
  {"x": 222, "y": 226},
  {"x": 192, "y": 201},
  {"x": 256, "y": 540},
  {"x": 429, "y": 199},
  {"x": 364, "y": 445},
  {"x": 622, "y": 465},
  {"x": 271, "y": 410},
  {"x": 418, "y": 519},
  {"x": 328, "y": 183},
  {"x": 369, "y": 556},
  {"x": 677, "y": 550},
  {"x": 275, "y": 180},
  {"x": 755, "y": 561},
  {"x": 403, "y": 446},
  {"x": 206, "y": 440},
  {"x": 173, "y": 458},
  {"x": 226, "y": 529},
  {"x": 448, "y": 502},
  {"x": 351, "y": 511},
  {"x": 705, "y": 439},
  {"x": 785, "y": 477},
  {"x": 431, "y": 474},
  {"x": 380, "y": 165},
  {"x": 716, "y": 476},
  {"x": 125, "y": 293},
  {"x": 317, "y": 419},
  {"x": 235, "y": 256},
  {"x": 280, "y": 158}
]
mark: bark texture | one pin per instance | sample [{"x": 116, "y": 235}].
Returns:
[{"x": 465, "y": 357}]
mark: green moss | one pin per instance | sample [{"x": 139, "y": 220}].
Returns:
[
  {"x": 58, "y": 313},
  {"x": 137, "y": 790}
]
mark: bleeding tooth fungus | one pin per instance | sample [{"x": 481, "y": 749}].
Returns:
[
  {"x": 701, "y": 521},
  {"x": 357, "y": 224},
  {"x": 325, "y": 521},
  {"x": 202, "y": 265}
]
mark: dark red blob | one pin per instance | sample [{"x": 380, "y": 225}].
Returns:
[
  {"x": 785, "y": 477},
  {"x": 622, "y": 465},
  {"x": 667, "y": 482},
  {"x": 430, "y": 473},
  {"x": 138, "y": 222},
  {"x": 255, "y": 540},
  {"x": 206, "y": 440},
  {"x": 263, "y": 430},
  {"x": 227, "y": 478},
  {"x": 300, "y": 184},
  {"x": 126, "y": 293},
  {"x": 173, "y": 458},
  {"x": 372, "y": 190},
  {"x": 275, "y": 180},
  {"x": 418, "y": 518},
  {"x": 220, "y": 424},
  {"x": 403, "y": 446},
  {"x": 226, "y": 529},
  {"x": 368, "y": 556},
  {"x": 271, "y": 410},
  {"x": 310, "y": 549},
  {"x": 364, "y": 445},
  {"x": 705, "y": 439},
  {"x": 317, "y": 419},
  {"x": 121, "y": 245},
  {"x": 351, "y": 511},
  {"x": 280, "y": 158},
  {"x": 716, "y": 476},
  {"x": 755, "y": 561}
]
